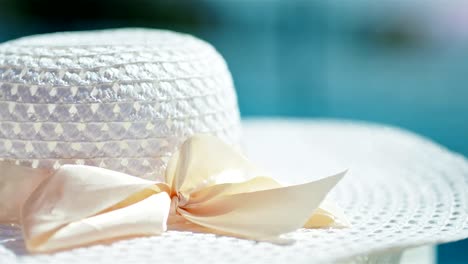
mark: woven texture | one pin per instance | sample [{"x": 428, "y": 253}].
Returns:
[
  {"x": 401, "y": 191},
  {"x": 120, "y": 99}
]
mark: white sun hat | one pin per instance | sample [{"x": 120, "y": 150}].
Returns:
[{"x": 127, "y": 99}]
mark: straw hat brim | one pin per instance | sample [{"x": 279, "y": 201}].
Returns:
[{"x": 401, "y": 191}]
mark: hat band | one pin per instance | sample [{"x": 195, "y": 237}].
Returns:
[{"x": 208, "y": 187}]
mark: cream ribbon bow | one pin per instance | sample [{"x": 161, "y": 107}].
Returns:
[{"x": 209, "y": 187}]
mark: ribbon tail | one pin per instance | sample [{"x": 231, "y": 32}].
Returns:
[
  {"x": 16, "y": 185},
  {"x": 224, "y": 189},
  {"x": 262, "y": 214},
  {"x": 328, "y": 215},
  {"x": 146, "y": 217},
  {"x": 79, "y": 205}
]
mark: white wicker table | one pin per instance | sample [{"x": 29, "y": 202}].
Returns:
[{"x": 401, "y": 191}]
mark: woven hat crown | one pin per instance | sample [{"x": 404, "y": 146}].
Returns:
[{"x": 120, "y": 99}]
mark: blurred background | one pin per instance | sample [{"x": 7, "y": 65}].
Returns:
[{"x": 399, "y": 62}]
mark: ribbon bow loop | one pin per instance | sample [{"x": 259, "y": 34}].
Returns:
[{"x": 208, "y": 187}]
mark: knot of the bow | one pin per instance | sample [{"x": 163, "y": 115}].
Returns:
[{"x": 178, "y": 200}]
